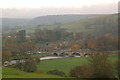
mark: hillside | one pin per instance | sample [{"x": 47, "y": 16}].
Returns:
[
  {"x": 58, "y": 19},
  {"x": 107, "y": 23},
  {"x": 100, "y": 24},
  {"x": 13, "y": 23},
  {"x": 42, "y": 20},
  {"x": 14, "y": 73}
]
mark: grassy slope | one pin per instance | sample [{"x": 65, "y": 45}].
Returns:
[
  {"x": 13, "y": 73},
  {"x": 65, "y": 64},
  {"x": 91, "y": 24},
  {"x": 86, "y": 25}
]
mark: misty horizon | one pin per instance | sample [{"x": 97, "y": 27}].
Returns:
[{"x": 62, "y": 9}]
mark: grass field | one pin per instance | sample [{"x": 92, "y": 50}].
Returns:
[
  {"x": 13, "y": 73},
  {"x": 65, "y": 64},
  {"x": 61, "y": 64}
]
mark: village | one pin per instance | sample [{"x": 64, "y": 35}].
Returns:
[
  {"x": 56, "y": 48},
  {"x": 56, "y": 43}
]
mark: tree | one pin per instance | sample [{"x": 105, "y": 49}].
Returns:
[
  {"x": 21, "y": 36},
  {"x": 28, "y": 66},
  {"x": 24, "y": 48},
  {"x": 75, "y": 47},
  {"x": 80, "y": 72},
  {"x": 110, "y": 41},
  {"x": 98, "y": 67},
  {"x": 5, "y": 56},
  {"x": 37, "y": 59},
  {"x": 92, "y": 44}
]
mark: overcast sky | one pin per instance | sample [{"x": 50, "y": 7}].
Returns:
[{"x": 34, "y": 8}]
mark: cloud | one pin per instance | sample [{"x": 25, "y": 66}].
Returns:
[{"x": 35, "y": 12}]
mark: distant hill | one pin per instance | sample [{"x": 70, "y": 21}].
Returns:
[
  {"x": 58, "y": 19},
  {"x": 106, "y": 23},
  {"x": 73, "y": 23},
  {"x": 42, "y": 20},
  {"x": 98, "y": 24},
  {"x": 13, "y": 23}
]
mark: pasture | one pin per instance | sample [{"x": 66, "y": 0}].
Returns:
[
  {"x": 66, "y": 64},
  {"x": 14, "y": 73}
]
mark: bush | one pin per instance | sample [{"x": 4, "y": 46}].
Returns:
[
  {"x": 56, "y": 72},
  {"x": 30, "y": 66},
  {"x": 98, "y": 67},
  {"x": 27, "y": 66},
  {"x": 80, "y": 71},
  {"x": 37, "y": 59},
  {"x": 39, "y": 72},
  {"x": 117, "y": 69},
  {"x": 20, "y": 66},
  {"x": 5, "y": 56}
]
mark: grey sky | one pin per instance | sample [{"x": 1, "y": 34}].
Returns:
[{"x": 45, "y": 7}]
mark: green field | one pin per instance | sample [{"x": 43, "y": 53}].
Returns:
[
  {"x": 65, "y": 64},
  {"x": 61, "y": 64},
  {"x": 13, "y": 73}
]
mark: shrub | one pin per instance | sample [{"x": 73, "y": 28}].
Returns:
[
  {"x": 27, "y": 66},
  {"x": 80, "y": 71},
  {"x": 30, "y": 66},
  {"x": 39, "y": 72},
  {"x": 98, "y": 67},
  {"x": 56, "y": 72},
  {"x": 5, "y": 56},
  {"x": 117, "y": 69},
  {"x": 37, "y": 59}
]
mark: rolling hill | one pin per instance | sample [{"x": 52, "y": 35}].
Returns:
[
  {"x": 108, "y": 23},
  {"x": 73, "y": 23},
  {"x": 42, "y": 20},
  {"x": 59, "y": 19},
  {"x": 99, "y": 24}
]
